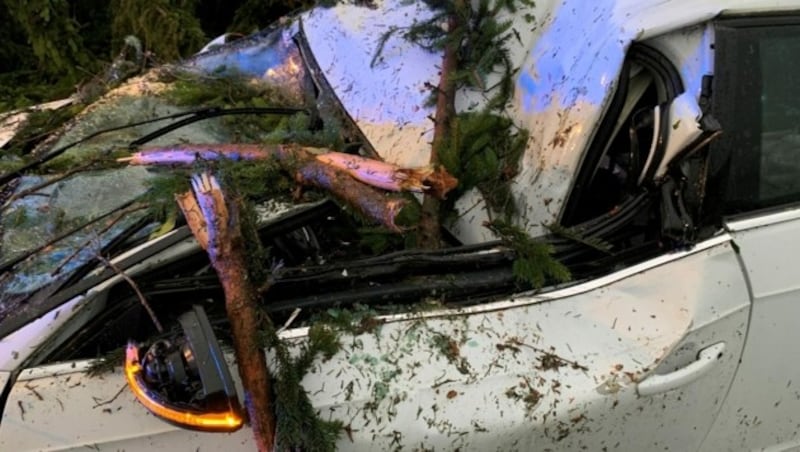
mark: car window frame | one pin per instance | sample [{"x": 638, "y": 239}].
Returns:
[
  {"x": 666, "y": 77},
  {"x": 732, "y": 80}
]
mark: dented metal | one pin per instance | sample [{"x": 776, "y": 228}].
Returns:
[{"x": 599, "y": 364}]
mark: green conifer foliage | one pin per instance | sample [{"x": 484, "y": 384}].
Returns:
[
  {"x": 53, "y": 35},
  {"x": 168, "y": 28}
]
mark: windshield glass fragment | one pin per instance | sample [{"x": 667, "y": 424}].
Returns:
[{"x": 58, "y": 217}]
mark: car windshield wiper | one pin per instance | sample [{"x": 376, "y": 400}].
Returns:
[
  {"x": 35, "y": 303},
  {"x": 189, "y": 117},
  {"x": 122, "y": 209}
]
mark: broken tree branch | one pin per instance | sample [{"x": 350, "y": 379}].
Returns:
[
  {"x": 135, "y": 288},
  {"x": 372, "y": 172},
  {"x": 351, "y": 179},
  {"x": 429, "y": 225},
  {"x": 367, "y": 201},
  {"x": 218, "y": 227},
  {"x": 375, "y": 173}
]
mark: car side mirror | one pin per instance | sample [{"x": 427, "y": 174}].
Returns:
[{"x": 186, "y": 381}]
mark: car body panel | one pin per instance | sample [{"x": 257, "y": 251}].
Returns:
[
  {"x": 19, "y": 346},
  {"x": 558, "y": 369},
  {"x": 47, "y": 402},
  {"x": 566, "y": 363},
  {"x": 387, "y": 98},
  {"x": 562, "y": 89},
  {"x": 761, "y": 409}
]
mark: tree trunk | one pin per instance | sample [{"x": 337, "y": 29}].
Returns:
[
  {"x": 429, "y": 233},
  {"x": 351, "y": 179},
  {"x": 215, "y": 224}
]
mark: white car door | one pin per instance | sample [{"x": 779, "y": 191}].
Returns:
[
  {"x": 757, "y": 100},
  {"x": 640, "y": 359}
]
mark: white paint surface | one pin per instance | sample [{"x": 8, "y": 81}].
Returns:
[{"x": 459, "y": 379}]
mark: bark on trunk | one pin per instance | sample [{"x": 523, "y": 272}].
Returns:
[
  {"x": 215, "y": 224},
  {"x": 351, "y": 179},
  {"x": 430, "y": 236}
]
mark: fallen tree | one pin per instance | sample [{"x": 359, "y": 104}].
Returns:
[
  {"x": 354, "y": 180},
  {"x": 464, "y": 32},
  {"x": 213, "y": 219}
]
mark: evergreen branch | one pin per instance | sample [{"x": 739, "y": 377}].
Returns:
[
  {"x": 534, "y": 263},
  {"x": 576, "y": 236},
  {"x": 299, "y": 426},
  {"x": 381, "y": 44}
]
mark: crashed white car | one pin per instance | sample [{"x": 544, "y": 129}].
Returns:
[{"x": 662, "y": 128}]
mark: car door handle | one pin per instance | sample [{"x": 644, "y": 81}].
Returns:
[{"x": 706, "y": 359}]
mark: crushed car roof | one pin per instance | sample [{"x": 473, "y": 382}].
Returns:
[{"x": 569, "y": 53}]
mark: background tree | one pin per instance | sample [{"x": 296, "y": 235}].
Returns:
[{"x": 49, "y": 47}]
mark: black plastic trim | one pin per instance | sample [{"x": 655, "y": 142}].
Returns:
[{"x": 668, "y": 76}]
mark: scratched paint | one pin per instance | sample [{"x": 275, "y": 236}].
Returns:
[{"x": 554, "y": 372}]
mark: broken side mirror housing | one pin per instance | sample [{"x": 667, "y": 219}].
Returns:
[{"x": 186, "y": 381}]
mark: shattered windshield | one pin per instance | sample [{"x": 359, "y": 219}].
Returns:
[
  {"x": 57, "y": 224},
  {"x": 51, "y": 230}
]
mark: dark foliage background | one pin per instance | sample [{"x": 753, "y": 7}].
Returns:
[{"x": 48, "y": 48}]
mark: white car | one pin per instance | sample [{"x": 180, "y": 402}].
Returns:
[{"x": 670, "y": 340}]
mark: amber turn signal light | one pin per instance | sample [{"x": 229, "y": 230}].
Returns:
[
  {"x": 224, "y": 421},
  {"x": 185, "y": 380}
]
